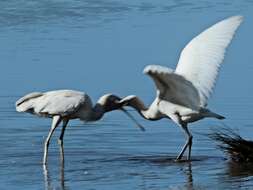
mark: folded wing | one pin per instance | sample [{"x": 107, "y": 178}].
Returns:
[{"x": 61, "y": 102}]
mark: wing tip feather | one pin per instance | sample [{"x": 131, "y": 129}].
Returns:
[
  {"x": 156, "y": 69},
  {"x": 239, "y": 18},
  {"x": 234, "y": 21}
]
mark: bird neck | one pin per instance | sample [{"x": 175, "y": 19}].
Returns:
[
  {"x": 139, "y": 106},
  {"x": 150, "y": 113},
  {"x": 97, "y": 112}
]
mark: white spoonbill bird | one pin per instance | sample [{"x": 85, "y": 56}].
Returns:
[
  {"x": 182, "y": 94},
  {"x": 64, "y": 105}
]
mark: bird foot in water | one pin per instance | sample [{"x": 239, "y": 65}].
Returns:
[{"x": 182, "y": 160}]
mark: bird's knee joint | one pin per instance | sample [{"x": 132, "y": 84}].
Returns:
[
  {"x": 46, "y": 144},
  {"x": 190, "y": 139},
  {"x": 60, "y": 142}
]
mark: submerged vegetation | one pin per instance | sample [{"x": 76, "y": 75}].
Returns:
[{"x": 235, "y": 146}]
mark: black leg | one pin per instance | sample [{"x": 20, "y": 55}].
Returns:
[
  {"x": 60, "y": 140},
  {"x": 187, "y": 144}
]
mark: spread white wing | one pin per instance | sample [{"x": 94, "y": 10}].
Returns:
[
  {"x": 173, "y": 87},
  {"x": 200, "y": 60}
]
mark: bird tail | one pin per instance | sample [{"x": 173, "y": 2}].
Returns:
[
  {"x": 208, "y": 113},
  {"x": 25, "y": 103}
]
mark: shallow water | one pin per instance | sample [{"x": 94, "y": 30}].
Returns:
[{"x": 102, "y": 46}]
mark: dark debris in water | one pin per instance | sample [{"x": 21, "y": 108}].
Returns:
[
  {"x": 236, "y": 169},
  {"x": 238, "y": 148}
]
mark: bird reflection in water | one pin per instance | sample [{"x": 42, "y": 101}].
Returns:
[
  {"x": 239, "y": 154},
  {"x": 167, "y": 162},
  {"x": 188, "y": 172},
  {"x": 48, "y": 180},
  {"x": 239, "y": 169}
]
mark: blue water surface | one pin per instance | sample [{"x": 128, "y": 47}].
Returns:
[{"x": 102, "y": 46}]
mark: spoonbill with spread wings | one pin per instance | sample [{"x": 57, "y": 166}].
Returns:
[{"x": 182, "y": 94}]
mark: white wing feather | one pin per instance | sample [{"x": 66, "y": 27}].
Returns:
[
  {"x": 200, "y": 60},
  {"x": 61, "y": 102},
  {"x": 20, "y": 103},
  {"x": 58, "y": 102},
  {"x": 172, "y": 87}
]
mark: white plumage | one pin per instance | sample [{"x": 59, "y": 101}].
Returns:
[
  {"x": 64, "y": 105},
  {"x": 200, "y": 60},
  {"x": 182, "y": 94}
]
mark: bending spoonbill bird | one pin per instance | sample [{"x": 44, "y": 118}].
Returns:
[
  {"x": 182, "y": 94},
  {"x": 64, "y": 105}
]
